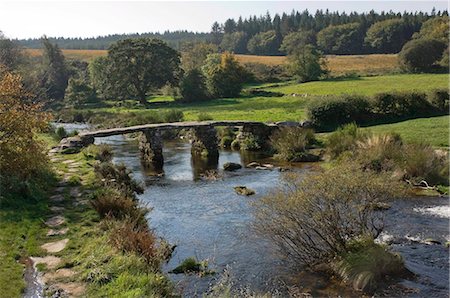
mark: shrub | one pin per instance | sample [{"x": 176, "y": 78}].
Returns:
[
  {"x": 401, "y": 104},
  {"x": 421, "y": 54},
  {"x": 344, "y": 139},
  {"x": 100, "y": 152},
  {"x": 173, "y": 116},
  {"x": 379, "y": 152},
  {"x": 110, "y": 203},
  {"x": 421, "y": 162},
  {"x": 226, "y": 141},
  {"x": 117, "y": 177},
  {"x": 306, "y": 64},
  {"x": 329, "y": 112},
  {"x": 204, "y": 117},
  {"x": 193, "y": 86},
  {"x": 314, "y": 219},
  {"x": 290, "y": 142},
  {"x": 61, "y": 133},
  {"x": 250, "y": 143},
  {"x": 127, "y": 236},
  {"x": 440, "y": 100},
  {"x": 264, "y": 73}
]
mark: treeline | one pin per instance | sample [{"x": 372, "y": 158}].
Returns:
[
  {"x": 331, "y": 32},
  {"x": 175, "y": 39}
]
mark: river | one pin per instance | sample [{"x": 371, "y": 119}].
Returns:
[{"x": 207, "y": 220}]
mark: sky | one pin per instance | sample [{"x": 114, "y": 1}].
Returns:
[{"x": 32, "y": 19}]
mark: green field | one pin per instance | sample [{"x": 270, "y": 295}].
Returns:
[
  {"x": 434, "y": 130},
  {"x": 368, "y": 85},
  {"x": 287, "y": 107}
]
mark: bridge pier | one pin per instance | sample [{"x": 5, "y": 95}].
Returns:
[
  {"x": 150, "y": 146},
  {"x": 205, "y": 142},
  {"x": 254, "y": 136}
]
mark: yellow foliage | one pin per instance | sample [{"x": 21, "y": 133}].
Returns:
[{"x": 20, "y": 153}]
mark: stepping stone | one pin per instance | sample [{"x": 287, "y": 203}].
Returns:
[
  {"x": 68, "y": 161},
  {"x": 53, "y": 151},
  {"x": 72, "y": 289},
  {"x": 52, "y": 232},
  {"x": 72, "y": 170},
  {"x": 57, "y": 209},
  {"x": 59, "y": 172},
  {"x": 75, "y": 165},
  {"x": 50, "y": 261},
  {"x": 75, "y": 192},
  {"x": 56, "y": 246},
  {"x": 57, "y": 198},
  {"x": 55, "y": 159},
  {"x": 55, "y": 221},
  {"x": 80, "y": 202},
  {"x": 60, "y": 189},
  {"x": 58, "y": 274}
]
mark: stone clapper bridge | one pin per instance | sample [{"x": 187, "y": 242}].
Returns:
[{"x": 204, "y": 138}]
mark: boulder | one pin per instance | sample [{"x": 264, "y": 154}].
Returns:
[
  {"x": 253, "y": 165},
  {"x": 231, "y": 166},
  {"x": 244, "y": 190}
]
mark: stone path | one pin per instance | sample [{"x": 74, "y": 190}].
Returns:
[{"x": 58, "y": 281}]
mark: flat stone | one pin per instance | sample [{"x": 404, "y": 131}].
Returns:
[
  {"x": 75, "y": 192},
  {"x": 60, "y": 189},
  {"x": 68, "y": 161},
  {"x": 52, "y": 232},
  {"x": 73, "y": 289},
  {"x": 80, "y": 202},
  {"x": 75, "y": 165},
  {"x": 55, "y": 221},
  {"x": 55, "y": 159},
  {"x": 56, "y": 246},
  {"x": 58, "y": 274},
  {"x": 57, "y": 198},
  {"x": 72, "y": 170},
  {"x": 57, "y": 209},
  {"x": 50, "y": 261}
]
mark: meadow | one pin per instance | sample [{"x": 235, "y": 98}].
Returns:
[{"x": 337, "y": 65}]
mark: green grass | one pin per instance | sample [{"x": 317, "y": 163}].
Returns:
[
  {"x": 434, "y": 131},
  {"x": 368, "y": 85}
]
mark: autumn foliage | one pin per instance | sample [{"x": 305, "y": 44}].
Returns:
[{"x": 21, "y": 155}]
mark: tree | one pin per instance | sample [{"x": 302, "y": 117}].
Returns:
[
  {"x": 99, "y": 71},
  {"x": 224, "y": 78},
  {"x": 56, "y": 75},
  {"x": 141, "y": 65},
  {"x": 296, "y": 40},
  {"x": 194, "y": 54},
  {"x": 341, "y": 39},
  {"x": 306, "y": 64},
  {"x": 21, "y": 155},
  {"x": 193, "y": 86},
  {"x": 388, "y": 36},
  {"x": 216, "y": 32},
  {"x": 234, "y": 42},
  {"x": 435, "y": 28},
  {"x": 10, "y": 53},
  {"x": 79, "y": 91},
  {"x": 264, "y": 43},
  {"x": 421, "y": 54}
]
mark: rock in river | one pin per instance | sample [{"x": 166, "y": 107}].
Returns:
[
  {"x": 231, "y": 166},
  {"x": 244, "y": 191}
]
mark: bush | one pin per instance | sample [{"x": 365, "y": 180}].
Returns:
[
  {"x": 117, "y": 177},
  {"x": 204, "y": 117},
  {"x": 379, "y": 152},
  {"x": 401, "y": 104},
  {"x": 314, "y": 219},
  {"x": 421, "y": 162},
  {"x": 263, "y": 73},
  {"x": 100, "y": 152},
  {"x": 344, "y": 139},
  {"x": 291, "y": 142},
  {"x": 173, "y": 116},
  {"x": 306, "y": 64},
  {"x": 193, "y": 86},
  {"x": 419, "y": 55},
  {"x": 440, "y": 100},
  {"x": 61, "y": 133},
  {"x": 329, "y": 112},
  {"x": 129, "y": 237},
  {"x": 110, "y": 203}
]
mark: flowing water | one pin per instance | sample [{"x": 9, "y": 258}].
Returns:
[{"x": 207, "y": 220}]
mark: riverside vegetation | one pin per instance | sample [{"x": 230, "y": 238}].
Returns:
[{"x": 328, "y": 221}]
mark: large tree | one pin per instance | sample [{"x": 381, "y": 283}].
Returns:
[
  {"x": 389, "y": 36},
  {"x": 10, "y": 53},
  {"x": 141, "y": 65},
  {"x": 56, "y": 75},
  {"x": 341, "y": 39},
  {"x": 265, "y": 43}
]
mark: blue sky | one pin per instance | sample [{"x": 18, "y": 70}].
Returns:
[{"x": 21, "y": 19}]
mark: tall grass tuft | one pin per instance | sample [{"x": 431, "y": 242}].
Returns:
[{"x": 291, "y": 142}]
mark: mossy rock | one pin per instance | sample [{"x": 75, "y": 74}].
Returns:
[
  {"x": 244, "y": 191},
  {"x": 231, "y": 166},
  {"x": 191, "y": 265}
]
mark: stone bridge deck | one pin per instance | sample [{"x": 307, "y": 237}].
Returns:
[{"x": 175, "y": 125}]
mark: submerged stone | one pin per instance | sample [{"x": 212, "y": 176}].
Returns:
[
  {"x": 244, "y": 191},
  {"x": 231, "y": 166}
]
